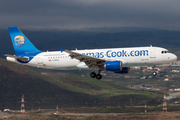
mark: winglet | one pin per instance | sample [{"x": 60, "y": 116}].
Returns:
[{"x": 62, "y": 50}]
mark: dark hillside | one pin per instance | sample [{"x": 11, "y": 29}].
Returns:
[
  {"x": 68, "y": 90},
  {"x": 16, "y": 80}
]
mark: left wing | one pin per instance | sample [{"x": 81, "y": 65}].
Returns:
[{"x": 89, "y": 61}]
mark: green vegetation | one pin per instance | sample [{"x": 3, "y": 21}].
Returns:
[
  {"x": 141, "y": 109},
  {"x": 68, "y": 90},
  {"x": 153, "y": 112}
]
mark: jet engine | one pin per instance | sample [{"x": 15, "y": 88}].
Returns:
[{"x": 113, "y": 65}]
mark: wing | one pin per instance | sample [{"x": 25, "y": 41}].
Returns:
[{"x": 90, "y": 61}]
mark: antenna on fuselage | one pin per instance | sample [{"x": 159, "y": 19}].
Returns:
[
  {"x": 76, "y": 49},
  {"x": 150, "y": 45}
]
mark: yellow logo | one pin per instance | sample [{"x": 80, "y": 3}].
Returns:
[{"x": 19, "y": 41}]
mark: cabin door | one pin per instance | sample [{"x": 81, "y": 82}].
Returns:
[{"x": 153, "y": 53}]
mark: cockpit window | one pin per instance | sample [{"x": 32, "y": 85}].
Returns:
[{"x": 163, "y": 52}]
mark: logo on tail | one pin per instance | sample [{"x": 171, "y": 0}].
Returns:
[{"x": 19, "y": 41}]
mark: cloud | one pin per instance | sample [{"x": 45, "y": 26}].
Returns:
[{"x": 73, "y": 14}]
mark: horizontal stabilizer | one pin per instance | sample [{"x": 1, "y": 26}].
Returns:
[{"x": 24, "y": 59}]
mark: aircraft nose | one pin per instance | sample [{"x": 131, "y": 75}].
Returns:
[{"x": 174, "y": 57}]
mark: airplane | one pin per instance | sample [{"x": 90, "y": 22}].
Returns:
[{"x": 117, "y": 60}]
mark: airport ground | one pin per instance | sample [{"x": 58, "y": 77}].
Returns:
[
  {"x": 97, "y": 116},
  {"x": 91, "y": 114}
]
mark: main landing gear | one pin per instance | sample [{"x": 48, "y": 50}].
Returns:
[{"x": 97, "y": 76}]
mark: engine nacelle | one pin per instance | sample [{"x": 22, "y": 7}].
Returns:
[
  {"x": 124, "y": 70},
  {"x": 113, "y": 65}
]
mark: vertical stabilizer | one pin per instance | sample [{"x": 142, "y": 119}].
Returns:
[{"x": 22, "y": 46}]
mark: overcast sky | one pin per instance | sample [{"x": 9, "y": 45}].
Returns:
[{"x": 75, "y": 14}]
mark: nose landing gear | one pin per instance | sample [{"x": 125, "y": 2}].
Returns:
[{"x": 154, "y": 73}]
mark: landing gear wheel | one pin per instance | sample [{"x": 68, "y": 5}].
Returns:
[
  {"x": 154, "y": 73},
  {"x": 93, "y": 74},
  {"x": 98, "y": 76}
]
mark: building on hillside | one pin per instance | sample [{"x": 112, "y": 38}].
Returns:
[
  {"x": 126, "y": 76},
  {"x": 177, "y": 89},
  {"x": 175, "y": 71},
  {"x": 137, "y": 86},
  {"x": 144, "y": 77},
  {"x": 166, "y": 79}
]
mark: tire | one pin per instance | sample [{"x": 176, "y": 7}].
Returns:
[
  {"x": 93, "y": 75},
  {"x": 98, "y": 76}
]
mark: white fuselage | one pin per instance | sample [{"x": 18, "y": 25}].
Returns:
[{"x": 134, "y": 56}]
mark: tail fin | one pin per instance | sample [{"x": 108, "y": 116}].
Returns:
[{"x": 22, "y": 46}]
